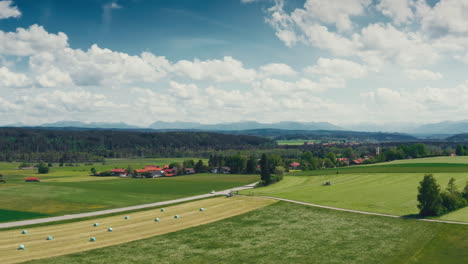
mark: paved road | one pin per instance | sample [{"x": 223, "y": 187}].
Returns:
[
  {"x": 118, "y": 210},
  {"x": 363, "y": 212}
]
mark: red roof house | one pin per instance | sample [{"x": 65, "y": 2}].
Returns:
[
  {"x": 153, "y": 168},
  {"x": 294, "y": 165},
  {"x": 32, "y": 179},
  {"x": 358, "y": 161},
  {"x": 119, "y": 172}
]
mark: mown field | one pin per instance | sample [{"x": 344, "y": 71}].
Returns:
[
  {"x": 66, "y": 191},
  {"x": 74, "y": 237},
  {"x": 388, "y": 189},
  {"x": 435, "y": 160},
  {"x": 291, "y": 233}
]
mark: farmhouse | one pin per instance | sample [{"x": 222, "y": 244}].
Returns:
[
  {"x": 32, "y": 179},
  {"x": 344, "y": 160},
  {"x": 155, "y": 171},
  {"x": 223, "y": 170},
  {"x": 170, "y": 172},
  {"x": 294, "y": 165},
  {"x": 358, "y": 161},
  {"x": 119, "y": 172},
  {"x": 140, "y": 172}
]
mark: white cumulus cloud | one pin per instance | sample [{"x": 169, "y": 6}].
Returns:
[{"x": 8, "y": 9}]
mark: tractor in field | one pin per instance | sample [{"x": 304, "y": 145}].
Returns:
[
  {"x": 2, "y": 180},
  {"x": 327, "y": 183}
]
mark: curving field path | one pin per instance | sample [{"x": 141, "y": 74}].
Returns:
[{"x": 74, "y": 237}]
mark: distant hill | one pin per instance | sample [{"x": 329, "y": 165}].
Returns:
[
  {"x": 446, "y": 127},
  {"x": 78, "y": 124},
  {"x": 458, "y": 138},
  {"x": 173, "y": 125},
  {"x": 328, "y": 135},
  {"x": 247, "y": 125}
]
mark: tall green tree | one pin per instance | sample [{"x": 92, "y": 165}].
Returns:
[
  {"x": 265, "y": 173},
  {"x": 130, "y": 170},
  {"x": 199, "y": 167},
  {"x": 429, "y": 198},
  {"x": 251, "y": 166}
]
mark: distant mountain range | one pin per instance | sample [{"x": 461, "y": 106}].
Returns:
[
  {"x": 441, "y": 129},
  {"x": 247, "y": 125},
  {"x": 120, "y": 125}
]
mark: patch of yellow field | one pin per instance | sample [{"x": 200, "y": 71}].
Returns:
[{"x": 74, "y": 237}]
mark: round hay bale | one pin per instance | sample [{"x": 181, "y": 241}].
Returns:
[
  {"x": 50, "y": 237},
  {"x": 156, "y": 219},
  {"x": 21, "y": 247},
  {"x": 24, "y": 232},
  {"x": 96, "y": 224},
  {"x": 127, "y": 217},
  {"x": 202, "y": 209},
  {"x": 109, "y": 229},
  {"x": 163, "y": 210},
  {"x": 176, "y": 216},
  {"x": 92, "y": 239}
]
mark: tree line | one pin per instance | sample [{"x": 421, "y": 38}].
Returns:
[{"x": 55, "y": 145}]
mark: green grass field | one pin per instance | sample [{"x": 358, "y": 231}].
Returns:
[
  {"x": 71, "y": 190},
  {"x": 291, "y": 233},
  {"x": 387, "y": 193},
  {"x": 389, "y": 188},
  {"x": 445, "y": 159}
]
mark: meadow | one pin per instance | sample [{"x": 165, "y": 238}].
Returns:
[
  {"x": 389, "y": 188},
  {"x": 291, "y": 233},
  {"x": 74, "y": 237},
  {"x": 67, "y": 190}
]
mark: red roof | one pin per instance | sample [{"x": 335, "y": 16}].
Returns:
[
  {"x": 152, "y": 168},
  {"x": 295, "y": 164},
  {"x": 119, "y": 170},
  {"x": 343, "y": 159},
  {"x": 32, "y": 179},
  {"x": 358, "y": 161},
  {"x": 140, "y": 170}
]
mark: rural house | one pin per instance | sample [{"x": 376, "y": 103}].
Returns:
[
  {"x": 294, "y": 165},
  {"x": 119, "y": 172}
]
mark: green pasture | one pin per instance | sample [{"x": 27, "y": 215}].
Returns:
[
  {"x": 295, "y": 141},
  {"x": 291, "y": 233},
  {"x": 443, "y": 159},
  {"x": 391, "y": 168},
  {"x": 388, "y": 193},
  {"x": 67, "y": 190}
]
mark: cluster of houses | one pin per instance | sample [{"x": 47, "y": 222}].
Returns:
[
  {"x": 165, "y": 171},
  {"x": 153, "y": 171}
]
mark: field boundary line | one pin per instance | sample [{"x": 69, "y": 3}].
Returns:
[
  {"x": 122, "y": 209},
  {"x": 362, "y": 212}
]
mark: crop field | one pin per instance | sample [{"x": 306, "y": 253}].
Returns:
[
  {"x": 291, "y": 233},
  {"x": 65, "y": 191},
  {"x": 75, "y": 237}
]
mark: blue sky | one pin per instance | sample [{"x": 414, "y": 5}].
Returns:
[{"x": 211, "y": 61}]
